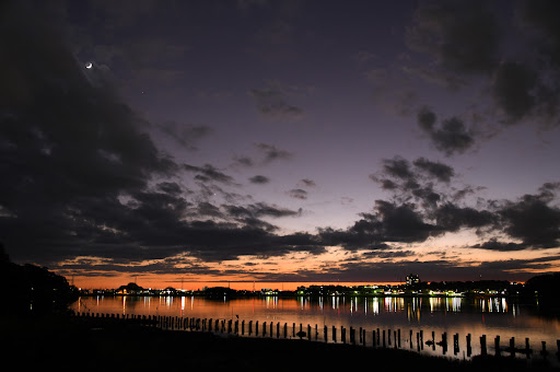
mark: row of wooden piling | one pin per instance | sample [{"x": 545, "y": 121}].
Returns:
[{"x": 379, "y": 337}]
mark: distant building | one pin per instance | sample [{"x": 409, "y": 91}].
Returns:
[{"x": 412, "y": 279}]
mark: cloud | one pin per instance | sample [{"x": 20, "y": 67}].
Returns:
[
  {"x": 450, "y": 137},
  {"x": 185, "y": 135},
  {"x": 442, "y": 172},
  {"x": 209, "y": 173},
  {"x": 259, "y": 179},
  {"x": 272, "y": 153},
  {"x": 86, "y": 178},
  {"x": 390, "y": 222},
  {"x": 532, "y": 219},
  {"x": 461, "y": 37},
  {"x": 298, "y": 194},
  {"x": 306, "y": 182}
]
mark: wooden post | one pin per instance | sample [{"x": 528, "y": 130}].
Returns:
[
  {"x": 512, "y": 347},
  {"x": 469, "y": 346},
  {"x": 360, "y": 338},
  {"x": 528, "y": 350},
  {"x": 544, "y": 353},
  {"x": 444, "y": 342},
  {"x": 343, "y": 334},
  {"x": 398, "y": 337},
  {"x": 334, "y": 333},
  {"x": 384, "y": 344},
  {"x": 455, "y": 343},
  {"x": 325, "y": 335},
  {"x": 483, "y": 347},
  {"x": 285, "y": 330},
  {"x": 433, "y": 340},
  {"x": 497, "y": 346},
  {"x": 250, "y": 327},
  {"x": 271, "y": 324},
  {"x": 373, "y": 338},
  {"x": 264, "y": 329},
  {"x": 278, "y": 330}
]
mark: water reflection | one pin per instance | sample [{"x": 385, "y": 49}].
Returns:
[{"x": 436, "y": 316}]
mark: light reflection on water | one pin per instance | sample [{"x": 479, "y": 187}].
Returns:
[{"x": 411, "y": 316}]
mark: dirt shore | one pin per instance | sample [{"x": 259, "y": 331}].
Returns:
[{"x": 74, "y": 346}]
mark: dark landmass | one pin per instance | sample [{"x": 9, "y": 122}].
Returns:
[{"x": 72, "y": 344}]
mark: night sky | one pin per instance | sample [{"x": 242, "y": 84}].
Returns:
[{"x": 255, "y": 140}]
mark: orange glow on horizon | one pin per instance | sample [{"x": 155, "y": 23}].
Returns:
[{"x": 162, "y": 281}]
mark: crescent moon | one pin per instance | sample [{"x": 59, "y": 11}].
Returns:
[{"x": 89, "y": 65}]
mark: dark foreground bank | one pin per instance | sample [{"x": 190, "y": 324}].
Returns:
[{"x": 70, "y": 344}]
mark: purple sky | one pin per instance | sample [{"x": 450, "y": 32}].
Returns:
[{"x": 282, "y": 140}]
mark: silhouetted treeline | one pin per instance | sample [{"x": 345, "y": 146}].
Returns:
[
  {"x": 33, "y": 290},
  {"x": 545, "y": 289}
]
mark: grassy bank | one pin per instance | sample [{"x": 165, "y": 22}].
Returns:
[{"x": 64, "y": 344}]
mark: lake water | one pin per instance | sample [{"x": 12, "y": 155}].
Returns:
[{"x": 489, "y": 317}]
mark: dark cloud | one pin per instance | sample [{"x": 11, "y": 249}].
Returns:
[
  {"x": 272, "y": 153},
  {"x": 186, "y": 135},
  {"x": 389, "y": 223},
  {"x": 306, "y": 182},
  {"x": 452, "y": 218},
  {"x": 81, "y": 169},
  {"x": 461, "y": 36},
  {"x": 442, "y": 172},
  {"x": 209, "y": 173},
  {"x": 533, "y": 221},
  {"x": 514, "y": 90},
  {"x": 259, "y": 179},
  {"x": 496, "y": 245},
  {"x": 244, "y": 161},
  {"x": 539, "y": 17},
  {"x": 298, "y": 194},
  {"x": 267, "y": 153},
  {"x": 451, "y": 137},
  {"x": 414, "y": 181},
  {"x": 398, "y": 168},
  {"x": 513, "y": 54}
]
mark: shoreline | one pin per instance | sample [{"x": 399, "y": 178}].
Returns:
[{"x": 72, "y": 344}]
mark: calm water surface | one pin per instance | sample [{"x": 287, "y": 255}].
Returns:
[{"x": 489, "y": 316}]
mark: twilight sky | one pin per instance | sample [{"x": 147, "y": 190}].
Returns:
[{"x": 305, "y": 140}]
